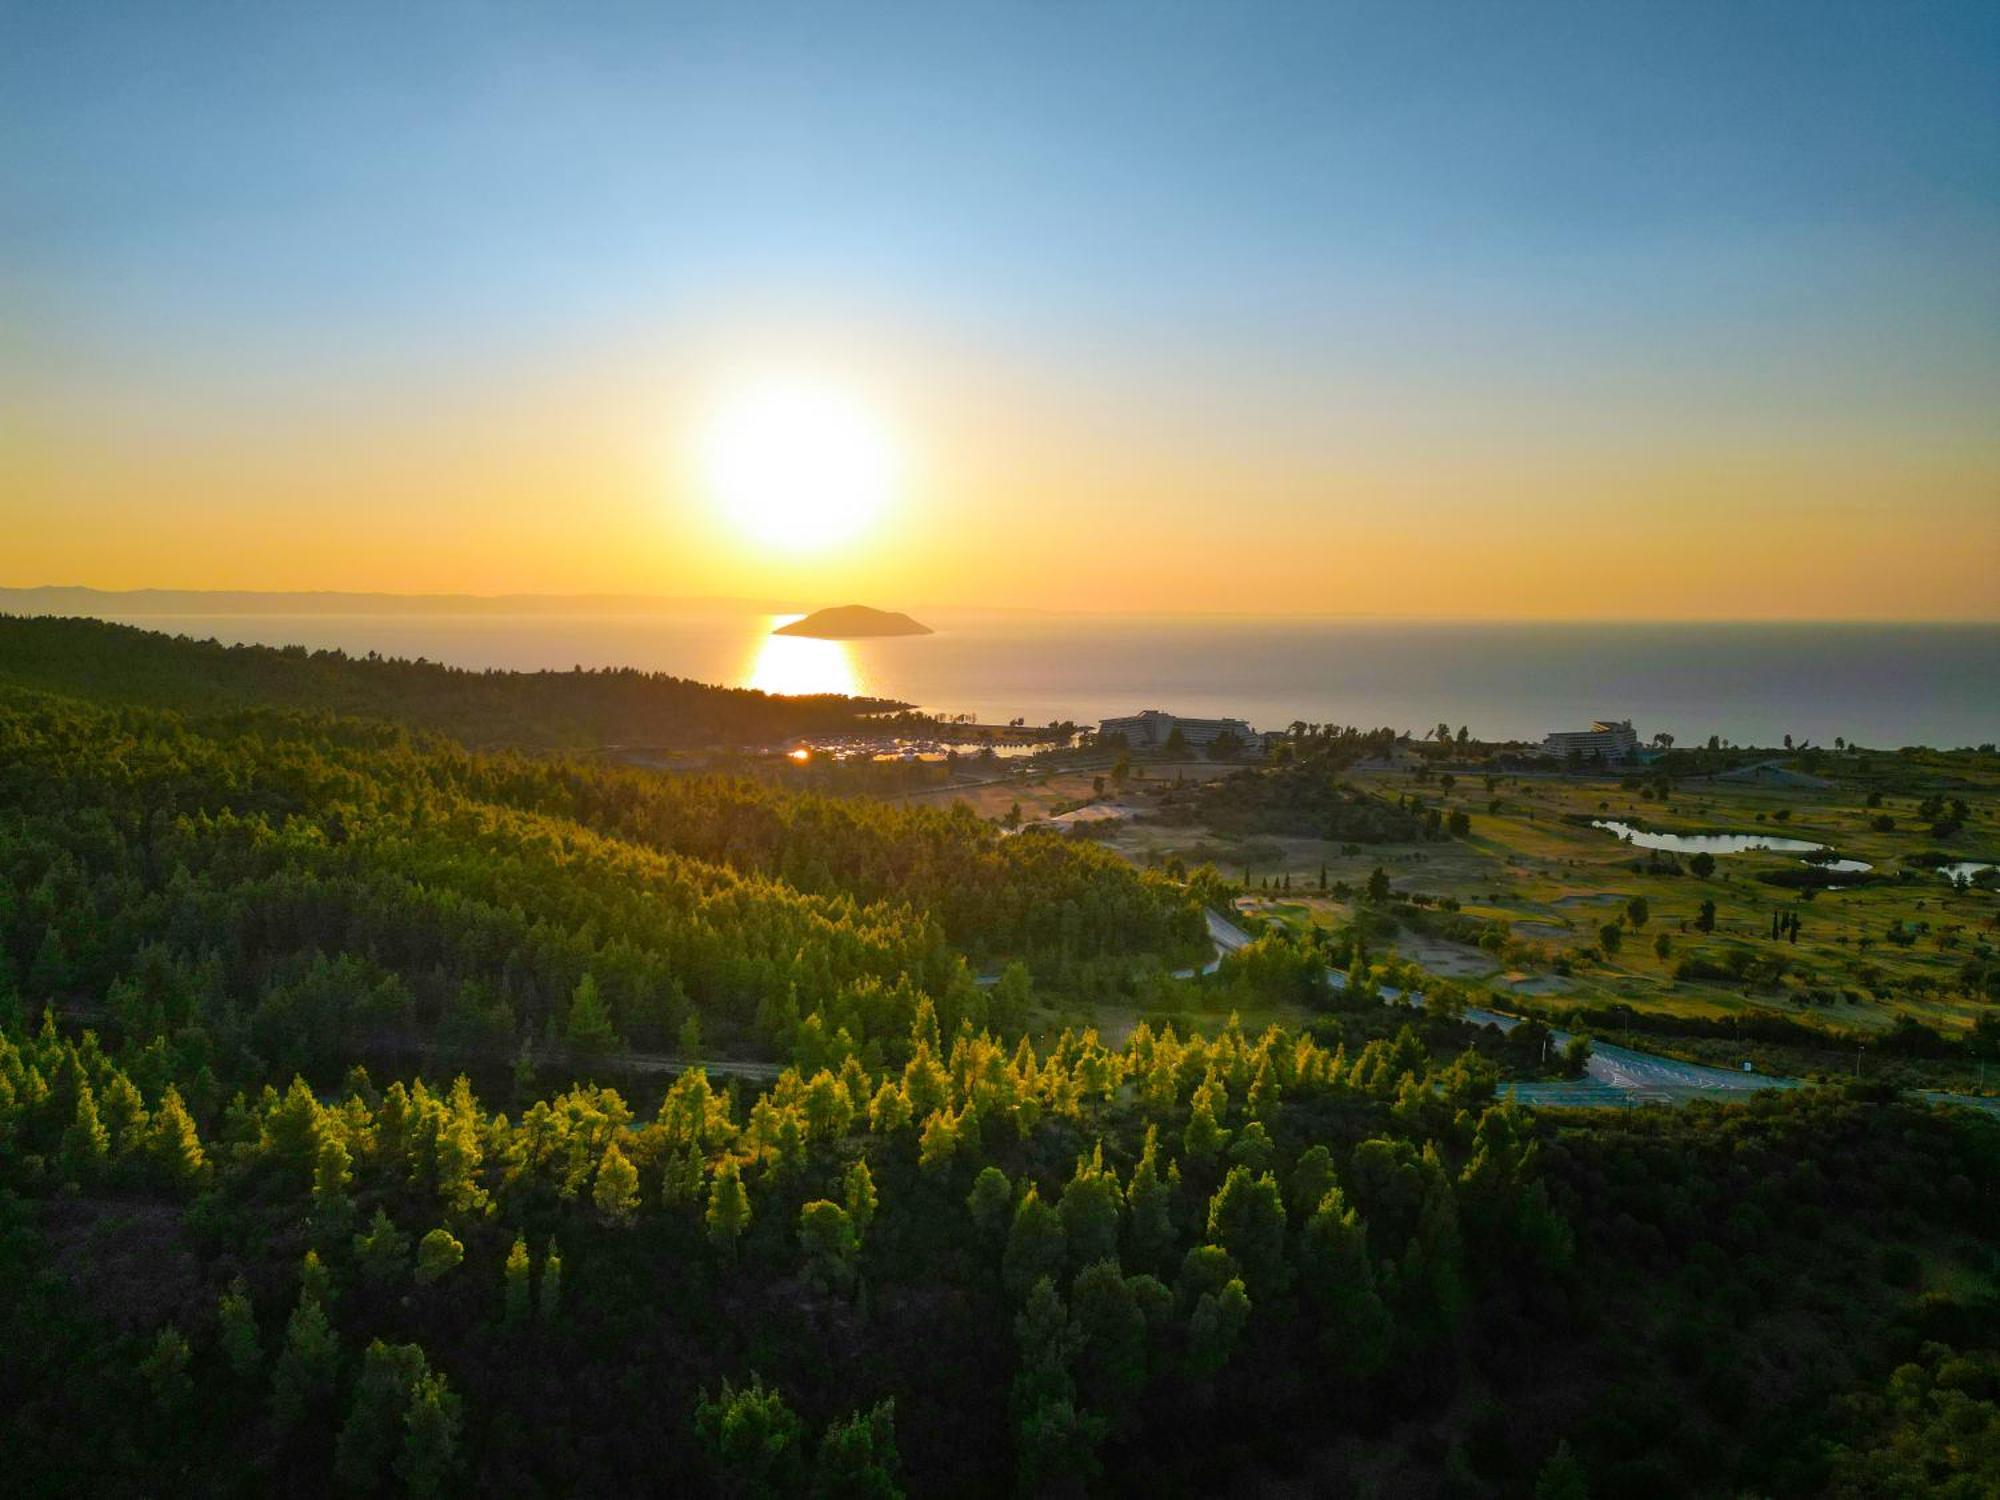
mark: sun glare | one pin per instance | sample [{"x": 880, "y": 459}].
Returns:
[
  {"x": 799, "y": 466},
  {"x": 793, "y": 664}
]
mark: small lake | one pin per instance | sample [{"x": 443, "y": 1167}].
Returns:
[
  {"x": 1715, "y": 843},
  {"x": 1964, "y": 869}
]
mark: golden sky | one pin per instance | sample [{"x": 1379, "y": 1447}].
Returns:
[{"x": 1096, "y": 490}]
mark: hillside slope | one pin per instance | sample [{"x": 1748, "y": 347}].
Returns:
[{"x": 576, "y": 710}]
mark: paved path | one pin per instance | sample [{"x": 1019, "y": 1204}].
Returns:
[{"x": 1620, "y": 1075}]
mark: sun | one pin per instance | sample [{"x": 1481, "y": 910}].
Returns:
[{"x": 797, "y": 465}]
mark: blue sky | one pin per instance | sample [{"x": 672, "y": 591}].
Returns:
[{"x": 269, "y": 162}]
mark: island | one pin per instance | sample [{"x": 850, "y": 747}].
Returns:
[{"x": 851, "y": 622}]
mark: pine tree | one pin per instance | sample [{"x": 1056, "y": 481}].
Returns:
[
  {"x": 548, "y": 1301},
  {"x": 988, "y": 1202},
  {"x": 439, "y": 1253},
  {"x": 382, "y": 1251},
  {"x": 684, "y": 1175},
  {"x": 291, "y": 1127},
  {"x": 889, "y": 1113},
  {"x": 752, "y": 1439},
  {"x": 237, "y": 1323},
  {"x": 430, "y": 1437},
  {"x": 728, "y": 1205},
  {"x": 938, "y": 1144},
  {"x": 306, "y": 1364},
  {"x": 828, "y": 1240},
  {"x": 165, "y": 1370},
  {"x": 1262, "y": 1101},
  {"x": 333, "y": 1170},
  {"x": 459, "y": 1152},
  {"x": 588, "y": 1030},
  {"x": 1036, "y": 1246},
  {"x": 1203, "y": 1139},
  {"x": 1312, "y": 1176},
  {"x": 124, "y": 1114},
  {"x": 86, "y": 1144},
  {"x": 1090, "y": 1208},
  {"x": 858, "y": 1458},
  {"x": 373, "y": 1430},
  {"x": 1150, "y": 1199},
  {"x": 1215, "y": 1325},
  {"x": 1247, "y": 1218},
  {"x": 1339, "y": 1281},
  {"x": 616, "y": 1193},
  {"x": 519, "y": 1289},
  {"x": 1057, "y": 1441},
  {"x": 859, "y": 1194},
  {"x": 315, "y": 1280},
  {"x": 1112, "y": 1364}
]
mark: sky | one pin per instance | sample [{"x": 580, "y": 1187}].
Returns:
[{"x": 1410, "y": 310}]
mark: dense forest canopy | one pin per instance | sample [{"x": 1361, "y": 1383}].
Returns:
[
  {"x": 301, "y": 886},
  {"x": 577, "y": 710},
  {"x": 1158, "y": 1269}
]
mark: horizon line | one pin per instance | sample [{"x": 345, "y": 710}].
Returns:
[{"x": 626, "y": 602}]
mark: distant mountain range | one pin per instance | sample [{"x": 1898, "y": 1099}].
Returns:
[
  {"x": 67, "y": 599},
  {"x": 140, "y": 602}
]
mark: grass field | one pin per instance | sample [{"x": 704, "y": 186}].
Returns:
[
  {"x": 1557, "y": 881},
  {"x": 1532, "y": 863}
]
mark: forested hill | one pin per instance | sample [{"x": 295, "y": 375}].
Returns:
[
  {"x": 576, "y": 710},
  {"x": 296, "y": 885}
]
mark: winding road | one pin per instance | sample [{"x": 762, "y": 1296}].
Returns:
[{"x": 1615, "y": 1076}]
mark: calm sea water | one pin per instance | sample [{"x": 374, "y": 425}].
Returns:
[{"x": 1881, "y": 685}]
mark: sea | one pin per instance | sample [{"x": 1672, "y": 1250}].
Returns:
[{"x": 1880, "y": 685}]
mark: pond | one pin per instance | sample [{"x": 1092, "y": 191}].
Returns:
[
  {"x": 1707, "y": 843},
  {"x": 1964, "y": 869}
]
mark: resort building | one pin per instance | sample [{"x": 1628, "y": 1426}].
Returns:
[
  {"x": 1152, "y": 729},
  {"x": 1608, "y": 739}
]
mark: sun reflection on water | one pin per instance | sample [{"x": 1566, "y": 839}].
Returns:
[{"x": 798, "y": 664}]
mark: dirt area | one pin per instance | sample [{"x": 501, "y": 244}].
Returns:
[
  {"x": 1542, "y": 929},
  {"x": 997, "y": 789},
  {"x": 1096, "y": 812},
  {"x": 1452, "y": 960},
  {"x": 1536, "y": 984}
]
